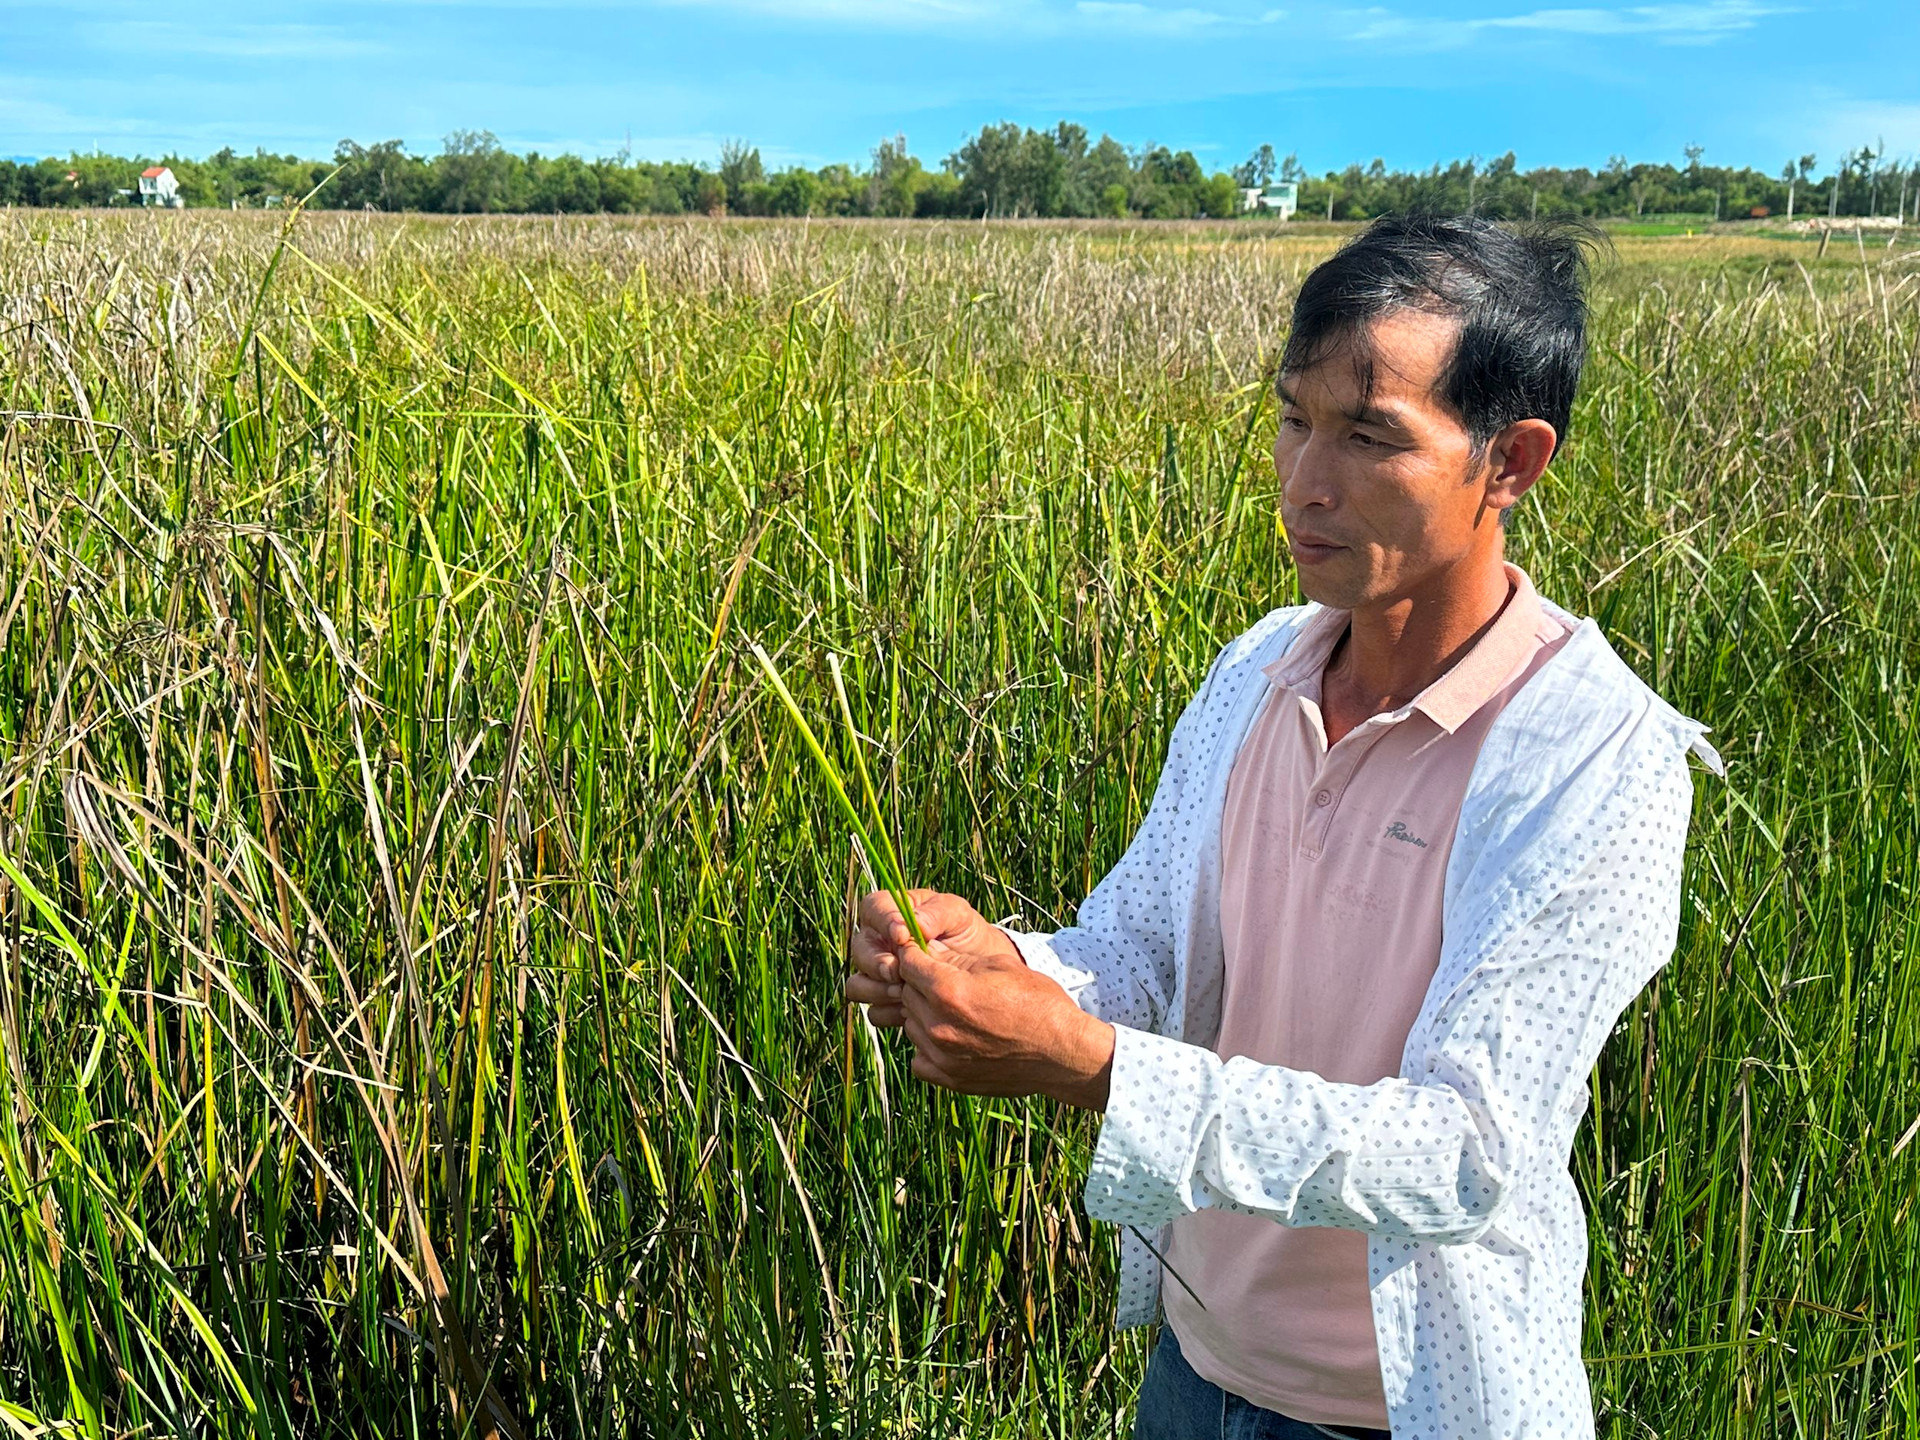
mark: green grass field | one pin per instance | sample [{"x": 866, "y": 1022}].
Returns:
[{"x": 420, "y": 931}]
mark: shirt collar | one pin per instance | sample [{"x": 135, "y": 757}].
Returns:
[
  {"x": 1302, "y": 661},
  {"x": 1475, "y": 678}
]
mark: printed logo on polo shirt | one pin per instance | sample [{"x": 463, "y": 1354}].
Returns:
[{"x": 1398, "y": 831}]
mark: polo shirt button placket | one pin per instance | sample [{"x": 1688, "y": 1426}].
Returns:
[{"x": 1320, "y": 821}]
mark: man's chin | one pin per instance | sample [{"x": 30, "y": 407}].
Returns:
[{"x": 1324, "y": 589}]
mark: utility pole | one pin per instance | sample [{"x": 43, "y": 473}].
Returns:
[{"x": 1790, "y": 180}]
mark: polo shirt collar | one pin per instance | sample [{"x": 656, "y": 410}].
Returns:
[{"x": 1475, "y": 678}]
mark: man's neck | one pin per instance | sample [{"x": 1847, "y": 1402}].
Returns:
[{"x": 1395, "y": 650}]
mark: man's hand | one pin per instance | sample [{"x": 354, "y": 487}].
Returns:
[
  {"x": 953, "y": 929},
  {"x": 981, "y": 1022}
]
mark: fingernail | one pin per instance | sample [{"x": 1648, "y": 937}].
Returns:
[{"x": 894, "y": 991}]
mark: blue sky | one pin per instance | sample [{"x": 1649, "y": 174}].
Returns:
[{"x": 1414, "y": 81}]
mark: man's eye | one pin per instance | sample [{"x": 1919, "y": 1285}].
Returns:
[
  {"x": 1362, "y": 438},
  {"x": 1293, "y": 422}
]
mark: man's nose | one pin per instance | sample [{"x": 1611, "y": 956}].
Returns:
[{"x": 1306, "y": 477}]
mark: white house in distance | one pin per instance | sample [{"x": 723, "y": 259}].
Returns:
[
  {"x": 158, "y": 187},
  {"x": 1279, "y": 198}
]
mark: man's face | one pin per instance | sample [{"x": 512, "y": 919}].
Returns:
[{"x": 1382, "y": 491}]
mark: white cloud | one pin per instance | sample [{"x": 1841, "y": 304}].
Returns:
[
  {"x": 1700, "y": 22},
  {"x": 1678, "y": 24},
  {"x": 1127, "y": 16},
  {"x": 873, "y": 14},
  {"x": 1005, "y": 16},
  {"x": 1137, "y": 19},
  {"x": 852, "y": 14},
  {"x": 233, "y": 41}
]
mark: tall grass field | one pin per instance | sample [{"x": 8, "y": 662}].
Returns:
[{"x": 421, "y": 926}]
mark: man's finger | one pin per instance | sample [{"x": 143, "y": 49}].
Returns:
[
  {"x": 878, "y": 912},
  {"x": 927, "y": 1069},
  {"x": 886, "y": 1016},
  {"x": 930, "y": 908},
  {"x": 871, "y": 958},
  {"x": 924, "y": 1019},
  {"x": 920, "y": 971},
  {"x": 865, "y": 990},
  {"x": 915, "y": 1020}
]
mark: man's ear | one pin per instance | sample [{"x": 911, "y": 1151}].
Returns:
[{"x": 1517, "y": 457}]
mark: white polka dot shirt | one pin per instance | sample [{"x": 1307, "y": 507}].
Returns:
[{"x": 1561, "y": 901}]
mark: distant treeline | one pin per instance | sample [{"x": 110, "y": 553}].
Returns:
[{"x": 1005, "y": 170}]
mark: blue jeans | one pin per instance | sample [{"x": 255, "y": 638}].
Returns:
[{"x": 1176, "y": 1404}]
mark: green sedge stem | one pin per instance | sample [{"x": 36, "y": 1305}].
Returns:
[
  {"x": 875, "y": 814},
  {"x": 885, "y": 862}
]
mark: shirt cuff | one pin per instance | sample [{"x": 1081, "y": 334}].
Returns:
[
  {"x": 1160, "y": 1095},
  {"x": 1037, "y": 951}
]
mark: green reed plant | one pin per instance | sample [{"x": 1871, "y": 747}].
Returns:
[{"x": 881, "y": 856}]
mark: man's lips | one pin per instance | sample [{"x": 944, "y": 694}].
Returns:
[{"x": 1309, "y": 550}]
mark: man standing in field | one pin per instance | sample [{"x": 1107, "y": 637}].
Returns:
[{"x": 1415, "y": 847}]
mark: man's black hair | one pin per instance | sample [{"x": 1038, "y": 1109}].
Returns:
[{"x": 1518, "y": 292}]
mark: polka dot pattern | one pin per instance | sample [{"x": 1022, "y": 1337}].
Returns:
[{"x": 1562, "y": 900}]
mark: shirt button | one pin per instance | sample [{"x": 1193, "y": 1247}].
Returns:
[{"x": 1323, "y": 799}]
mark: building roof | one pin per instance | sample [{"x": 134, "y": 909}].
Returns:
[{"x": 153, "y": 172}]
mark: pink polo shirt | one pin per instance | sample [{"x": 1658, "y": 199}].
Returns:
[{"x": 1333, "y": 867}]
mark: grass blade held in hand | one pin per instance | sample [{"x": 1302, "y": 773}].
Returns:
[{"x": 881, "y": 856}]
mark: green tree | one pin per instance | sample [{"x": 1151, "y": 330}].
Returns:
[
  {"x": 1257, "y": 170},
  {"x": 565, "y": 184},
  {"x": 895, "y": 180},
  {"x": 841, "y": 191},
  {"x": 793, "y": 192},
  {"x": 988, "y": 167},
  {"x": 667, "y": 194},
  {"x": 54, "y": 183},
  {"x": 1220, "y": 197},
  {"x": 378, "y": 177},
  {"x": 1108, "y": 165},
  {"x": 1169, "y": 184},
  {"x": 1004, "y": 170},
  {"x": 740, "y": 170},
  {"x": 1040, "y": 176},
  {"x": 1080, "y": 193},
  {"x": 938, "y": 196},
  {"x": 473, "y": 172},
  {"x": 621, "y": 189}
]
